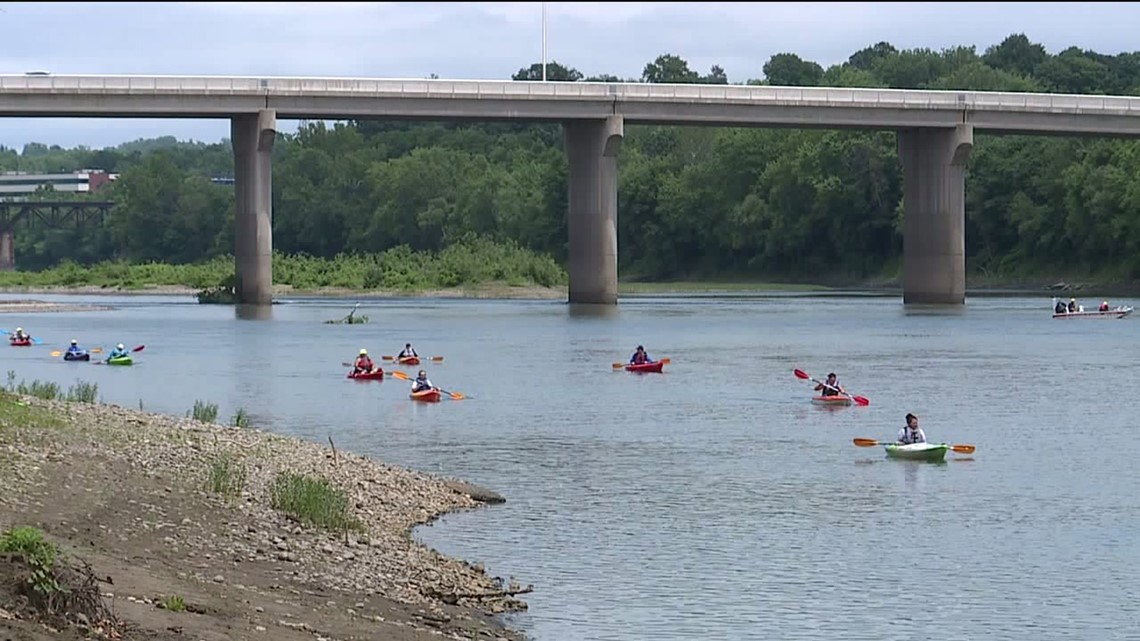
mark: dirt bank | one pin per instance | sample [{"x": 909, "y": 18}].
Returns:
[{"x": 137, "y": 496}]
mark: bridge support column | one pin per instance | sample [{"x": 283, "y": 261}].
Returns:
[
  {"x": 592, "y": 147},
  {"x": 934, "y": 223},
  {"x": 7, "y": 250},
  {"x": 253, "y": 136}
]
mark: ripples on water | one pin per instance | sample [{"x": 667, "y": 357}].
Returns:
[{"x": 713, "y": 501}]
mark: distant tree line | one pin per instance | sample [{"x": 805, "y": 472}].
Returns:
[{"x": 693, "y": 202}]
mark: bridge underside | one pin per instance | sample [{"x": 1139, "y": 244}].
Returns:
[{"x": 933, "y": 161}]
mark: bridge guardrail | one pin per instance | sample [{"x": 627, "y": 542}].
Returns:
[{"x": 521, "y": 90}]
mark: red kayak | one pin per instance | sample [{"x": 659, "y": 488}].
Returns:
[
  {"x": 428, "y": 396},
  {"x": 642, "y": 368},
  {"x": 375, "y": 375},
  {"x": 16, "y": 342}
]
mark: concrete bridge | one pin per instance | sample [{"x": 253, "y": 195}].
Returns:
[{"x": 935, "y": 136}]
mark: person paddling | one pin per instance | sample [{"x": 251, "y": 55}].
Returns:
[
  {"x": 20, "y": 335},
  {"x": 119, "y": 352},
  {"x": 363, "y": 364},
  {"x": 407, "y": 352},
  {"x": 421, "y": 383},
  {"x": 831, "y": 386},
  {"x": 912, "y": 433},
  {"x": 640, "y": 357}
]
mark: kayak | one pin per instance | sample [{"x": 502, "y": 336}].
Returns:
[
  {"x": 375, "y": 375},
  {"x": 410, "y": 360},
  {"x": 831, "y": 401},
  {"x": 642, "y": 368},
  {"x": 933, "y": 452},
  {"x": 428, "y": 396},
  {"x": 81, "y": 356},
  {"x": 18, "y": 342},
  {"x": 122, "y": 360}
]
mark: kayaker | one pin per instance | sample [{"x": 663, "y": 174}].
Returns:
[
  {"x": 1060, "y": 307},
  {"x": 20, "y": 335},
  {"x": 640, "y": 357},
  {"x": 1072, "y": 305},
  {"x": 408, "y": 352},
  {"x": 831, "y": 386},
  {"x": 421, "y": 383},
  {"x": 1104, "y": 306},
  {"x": 118, "y": 352},
  {"x": 912, "y": 433},
  {"x": 74, "y": 348},
  {"x": 363, "y": 364}
]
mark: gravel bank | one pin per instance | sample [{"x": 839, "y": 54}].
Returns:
[{"x": 128, "y": 492}]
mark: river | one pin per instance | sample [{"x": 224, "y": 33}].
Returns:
[{"x": 712, "y": 501}]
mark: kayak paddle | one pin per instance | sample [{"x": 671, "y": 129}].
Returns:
[
  {"x": 663, "y": 360},
  {"x": 93, "y": 350},
  {"x": 861, "y": 400},
  {"x": 454, "y": 395},
  {"x": 870, "y": 442}
]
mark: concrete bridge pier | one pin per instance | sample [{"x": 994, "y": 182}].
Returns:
[
  {"x": 253, "y": 136},
  {"x": 934, "y": 223},
  {"x": 7, "y": 249},
  {"x": 592, "y": 147}
]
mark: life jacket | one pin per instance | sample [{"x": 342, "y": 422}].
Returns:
[{"x": 364, "y": 362}]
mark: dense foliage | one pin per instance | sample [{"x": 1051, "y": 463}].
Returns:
[{"x": 693, "y": 202}]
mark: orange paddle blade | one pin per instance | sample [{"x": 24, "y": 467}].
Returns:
[
  {"x": 387, "y": 358},
  {"x": 618, "y": 365},
  {"x": 963, "y": 449},
  {"x": 865, "y": 442},
  {"x": 456, "y": 396},
  {"x": 400, "y": 375},
  {"x": 437, "y": 358}
]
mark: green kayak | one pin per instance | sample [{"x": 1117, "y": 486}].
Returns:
[
  {"x": 122, "y": 360},
  {"x": 933, "y": 452}
]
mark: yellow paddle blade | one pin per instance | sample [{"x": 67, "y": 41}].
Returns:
[
  {"x": 618, "y": 365},
  {"x": 57, "y": 353}
]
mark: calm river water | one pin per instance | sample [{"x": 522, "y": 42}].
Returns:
[{"x": 712, "y": 501}]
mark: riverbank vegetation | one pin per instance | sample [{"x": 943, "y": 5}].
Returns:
[{"x": 405, "y": 206}]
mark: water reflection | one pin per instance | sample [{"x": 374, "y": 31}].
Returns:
[
  {"x": 590, "y": 310},
  {"x": 253, "y": 312}
]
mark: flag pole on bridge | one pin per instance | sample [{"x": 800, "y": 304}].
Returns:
[{"x": 544, "y": 42}]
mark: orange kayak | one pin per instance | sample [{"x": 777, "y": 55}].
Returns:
[
  {"x": 428, "y": 396},
  {"x": 410, "y": 360},
  {"x": 375, "y": 375},
  {"x": 831, "y": 400},
  {"x": 655, "y": 366}
]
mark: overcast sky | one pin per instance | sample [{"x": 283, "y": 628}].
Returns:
[{"x": 486, "y": 40}]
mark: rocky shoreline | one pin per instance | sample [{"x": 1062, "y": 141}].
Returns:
[
  {"x": 129, "y": 492},
  {"x": 37, "y": 306}
]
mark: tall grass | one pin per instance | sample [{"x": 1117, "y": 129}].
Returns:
[
  {"x": 471, "y": 261},
  {"x": 313, "y": 500}
]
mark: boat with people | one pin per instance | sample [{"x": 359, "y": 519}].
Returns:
[{"x": 1073, "y": 310}]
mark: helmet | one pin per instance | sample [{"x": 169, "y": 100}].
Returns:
[
  {"x": 19, "y": 330},
  {"x": 120, "y": 346},
  {"x": 363, "y": 352},
  {"x": 74, "y": 342}
]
